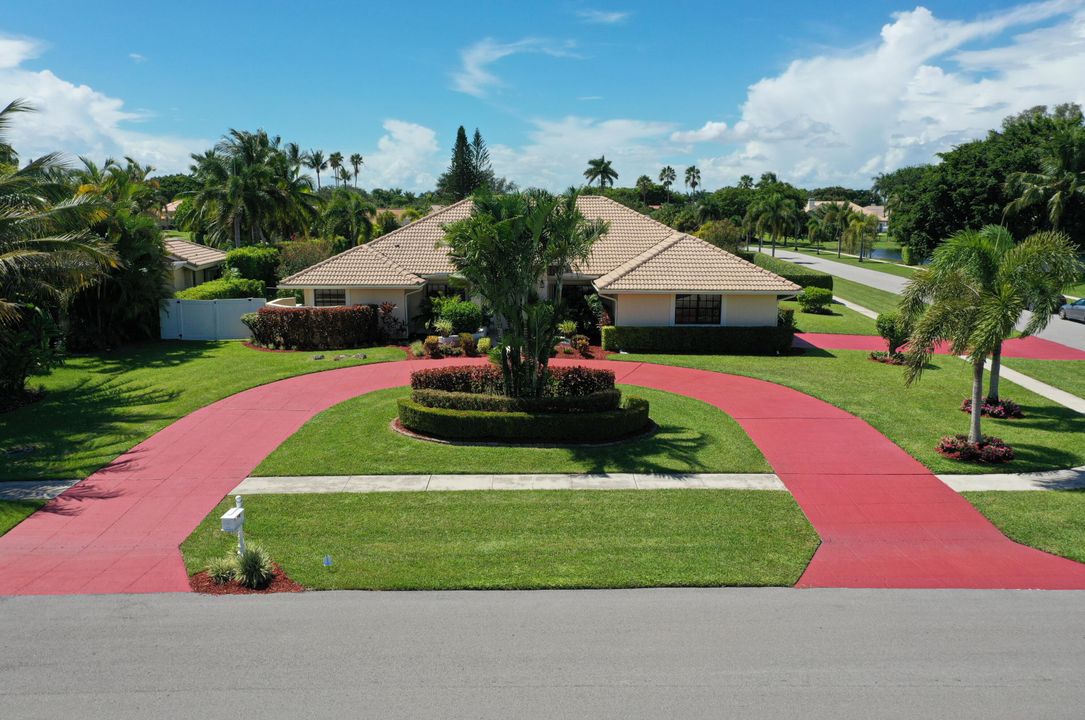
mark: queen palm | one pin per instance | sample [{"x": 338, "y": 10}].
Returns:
[
  {"x": 315, "y": 161},
  {"x": 667, "y": 176},
  {"x": 356, "y": 161},
  {"x": 602, "y": 170},
  {"x": 693, "y": 178},
  {"x": 335, "y": 161},
  {"x": 1060, "y": 183}
]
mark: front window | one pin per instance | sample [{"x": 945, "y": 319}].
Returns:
[
  {"x": 444, "y": 290},
  {"x": 329, "y": 298},
  {"x": 696, "y": 309}
]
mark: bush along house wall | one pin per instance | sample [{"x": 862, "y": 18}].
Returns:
[
  {"x": 314, "y": 328},
  {"x": 700, "y": 340}
]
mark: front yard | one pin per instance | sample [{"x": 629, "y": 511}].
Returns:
[
  {"x": 1068, "y": 375},
  {"x": 1048, "y": 520},
  {"x": 523, "y": 539},
  {"x": 839, "y": 319},
  {"x": 13, "y": 512}
]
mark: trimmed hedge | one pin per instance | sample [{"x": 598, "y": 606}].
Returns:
[
  {"x": 255, "y": 262},
  {"x": 223, "y": 289},
  {"x": 572, "y": 381},
  {"x": 314, "y": 328},
  {"x": 700, "y": 340},
  {"x": 806, "y": 277},
  {"x": 525, "y": 427},
  {"x": 595, "y": 402}
]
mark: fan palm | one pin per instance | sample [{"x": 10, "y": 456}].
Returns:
[
  {"x": 356, "y": 161},
  {"x": 602, "y": 170},
  {"x": 693, "y": 178},
  {"x": 315, "y": 161},
  {"x": 667, "y": 176},
  {"x": 1061, "y": 180}
]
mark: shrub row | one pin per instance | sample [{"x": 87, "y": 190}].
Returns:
[
  {"x": 573, "y": 381},
  {"x": 224, "y": 288},
  {"x": 525, "y": 427},
  {"x": 806, "y": 277},
  {"x": 314, "y": 328},
  {"x": 700, "y": 340},
  {"x": 255, "y": 262},
  {"x": 594, "y": 402}
]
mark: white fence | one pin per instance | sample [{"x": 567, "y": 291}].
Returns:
[{"x": 206, "y": 319}]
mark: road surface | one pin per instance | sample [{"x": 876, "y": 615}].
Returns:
[
  {"x": 667, "y": 653},
  {"x": 1066, "y": 332}
]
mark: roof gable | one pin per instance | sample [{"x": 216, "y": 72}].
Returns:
[
  {"x": 193, "y": 253},
  {"x": 360, "y": 266}
]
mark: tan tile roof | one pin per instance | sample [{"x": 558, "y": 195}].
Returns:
[
  {"x": 417, "y": 246},
  {"x": 361, "y": 266},
  {"x": 683, "y": 263},
  {"x": 193, "y": 253}
]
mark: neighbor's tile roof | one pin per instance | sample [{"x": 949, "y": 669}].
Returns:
[
  {"x": 193, "y": 253},
  {"x": 361, "y": 266},
  {"x": 683, "y": 263}
]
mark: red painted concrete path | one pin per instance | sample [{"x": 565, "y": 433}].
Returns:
[
  {"x": 1032, "y": 348},
  {"x": 884, "y": 520}
]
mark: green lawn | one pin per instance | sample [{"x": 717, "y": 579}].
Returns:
[
  {"x": 354, "y": 438},
  {"x": 880, "y": 301},
  {"x": 13, "y": 512},
  {"x": 101, "y": 405},
  {"x": 842, "y": 320},
  {"x": 1051, "y": 436},
  {"x": 1068, "y": 375},
  {"x": 523, "y": 539},
  {"x": 1076, "y": 290},
  {"x": 885, "y": 267},
  {"x": 1049, "y": 520}
]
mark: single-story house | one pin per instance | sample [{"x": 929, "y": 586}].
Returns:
[
  {"x": 647, "y": 273},
  {"x": 877, "y": 211},
  {"x": 192, "y": 263}
]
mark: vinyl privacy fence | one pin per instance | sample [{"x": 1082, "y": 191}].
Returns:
[{"x": 206, "y": 319}]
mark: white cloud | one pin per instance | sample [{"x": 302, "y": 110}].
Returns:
[
  {"x": 79, "y": 120},
  {"x": 919, "y": 89},
  {"x": 603, "y": 17},
  {"x": 407, "y": 156},
  {"x": 136, "y": 57},
  {"x": 558, "y": 151},
  {"x": 474, "y": 76}
]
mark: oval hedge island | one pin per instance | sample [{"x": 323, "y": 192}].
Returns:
[{"x": 468, "y": 403}]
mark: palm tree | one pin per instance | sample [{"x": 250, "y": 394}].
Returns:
[
  {"x": 816, "y": 229},
  {"x": 773, "y": 213},
  {"x": 860, "y": 226},
  {"x": 1061, "y": 180},
  {"x": 314, "y": 160},
  {"x": 295, "y": 158},
  {"x": 693, "y": 177},
  {"x": 356, "y": 161},
  {"x": 343, "y": 175},
  {"x": 335, "y": 161},
  {"x": 602, "y": 170},
  {"x": 745, "y": 182},
  {"x": 667, "y": 176},
  {"x": 349, "y": 216},
  {"x": 836, "y": 216}
]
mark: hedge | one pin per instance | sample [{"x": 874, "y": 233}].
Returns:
[
  {"x": 806, "y": 277},
  {"x": 700, "y": 340},
  {"x": 595, "y": 402},
  {"x": 572, "y": 381},
  {"x": 314, "y": 328},
  {"x": 525, "y": 427},
  {"x": 256, "y": 262},
  {"x": 224, "y": 288}
]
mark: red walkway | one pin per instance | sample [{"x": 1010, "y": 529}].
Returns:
[
  {"x": 884, "y": 520},
  {"x": 1032, "y": 348}
]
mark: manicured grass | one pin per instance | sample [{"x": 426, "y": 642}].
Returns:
[
  {"x": 98, "y": 406},
  {"x": 1077, "y": 290},
  {"x": 13, "y": 512},
  {"x": 1051, "y": 436},
  {"x": 354, "y": 438},
  {"x": 885, "y": 267},
  {"x": 523, "y": 539},
  {"x": 880, "y": 301},
  {"x": 842, "y": 320},
  {"x": 1068, "y": 375},
  {"x": 1049, "y": 520}
]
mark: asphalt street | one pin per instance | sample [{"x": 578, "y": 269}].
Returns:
[{"x": 681, "y": 653}]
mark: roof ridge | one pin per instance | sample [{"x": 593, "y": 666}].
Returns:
[
  {"x": 325, "y": 261},
  {"x": 640, "y": 215},
  {"x": 635, "y": 262},
  {"x": 424, "y": 218},
  {"x": 393, "y": 263}
]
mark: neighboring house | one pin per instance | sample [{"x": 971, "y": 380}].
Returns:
[
  {"x": 192, "y": 263},
  {"x": 877, "y": 211},
  {"x": 647, "y": 273}
]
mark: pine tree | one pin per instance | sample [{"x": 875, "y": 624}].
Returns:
[{"x": 459, "y": 180}]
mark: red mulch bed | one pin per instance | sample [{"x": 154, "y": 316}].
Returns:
[{"x": 202, "y": 583}]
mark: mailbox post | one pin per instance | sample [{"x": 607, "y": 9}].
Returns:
[{"x": 233, "y": 521}]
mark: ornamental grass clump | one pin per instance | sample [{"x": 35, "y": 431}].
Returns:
[
  {"x": 254, "y": 568},
  {"x": 222, "y": 570}
]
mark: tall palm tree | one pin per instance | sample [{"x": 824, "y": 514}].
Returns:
[
  {"x": 315, "y": 161},
  {"x": 773, "y": 213},
  {"x": 745, "y": 182},
  {"x": 1061, "y": 180},
  {"x": 356, "y": 161},
  {"x": 335, "y": 161},
  {"x": 667, "y": 176},
  {"x": 343, "y": 176},
  {"x": 838, "y": 216},
  {"x": 860, "y": 226},
  {"x": 693, "y": 178},
  {"x": 295, "y": 158},
  {"x": 349, "y": 216},
  {"x": 602, "y": 170}
]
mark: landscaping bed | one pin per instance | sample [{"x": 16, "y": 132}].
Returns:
[
  {"x": 523, "y": 539},
  {"x": 202, "y": 583}
]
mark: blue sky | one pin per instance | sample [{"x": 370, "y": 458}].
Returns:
[{"x": 816, "y": 91}]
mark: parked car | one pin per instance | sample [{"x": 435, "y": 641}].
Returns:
[{"x": 1073, "y": 310}]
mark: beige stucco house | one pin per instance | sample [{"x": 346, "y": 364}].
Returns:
[
  {"x": 647, "y": 273},
  {"x": 192, "y": 263}
]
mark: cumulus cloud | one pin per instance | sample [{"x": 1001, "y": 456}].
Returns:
[
  {"x": 474, "y": 76},
  {"x": 136, "y": 57},
  {"x": 921, "y": 88},
  {"x": 602, "y": 17},
  {"x": 79, "y": 120},
  {"x": 407, "y": 156}
]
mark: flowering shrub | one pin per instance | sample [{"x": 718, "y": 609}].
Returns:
[
  {"x": 432, "y": 346},
  {"x": 561, "y": 382},
  {"x": 989, "y": 449},
  {"x": 1002, "y": 409},
  {"x": 390, "y": 325},
  {"x": 314, "y": 328},
  {"x": 576, "y": 380},
  {"x": 581, "y": 344}
]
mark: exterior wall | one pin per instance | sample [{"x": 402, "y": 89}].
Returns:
[
  {"x": 749, "y": 310},
  {"x": 644, "y": 310},
  {"x": 365, "y": 296},
  {"x": 184, "y": 278},
  {"x": 307, "y": 297}
]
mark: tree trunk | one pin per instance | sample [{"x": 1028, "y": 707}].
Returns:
[
  {"x": 996, "y": 365},
  {"x": 974, "y": 434},
  {"x": 774, "y": 244},
  {"x": 237, "y": 231},
  {"x": 839, "y": 242}
]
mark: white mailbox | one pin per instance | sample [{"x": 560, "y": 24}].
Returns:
[{"x": 233, "y": 519}]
